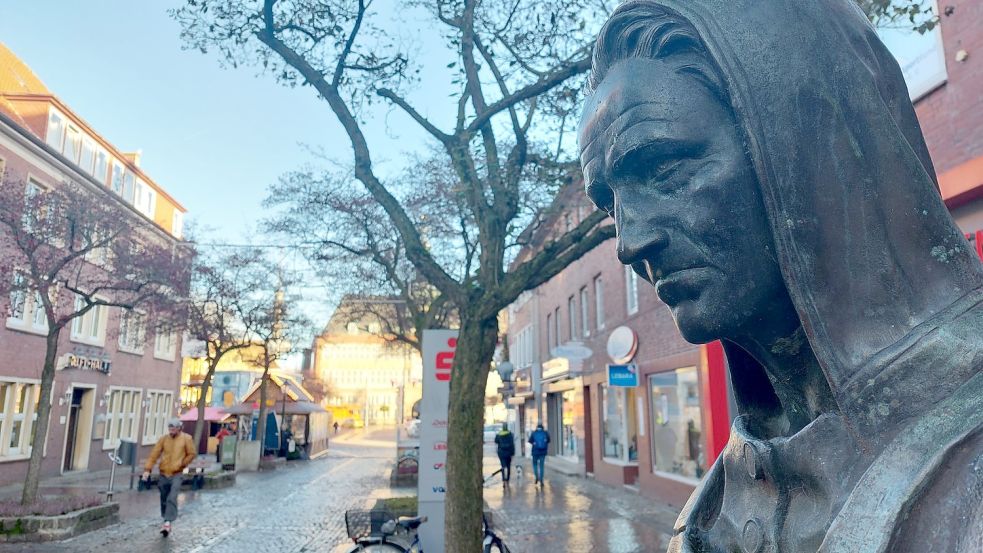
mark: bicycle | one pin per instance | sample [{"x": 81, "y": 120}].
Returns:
[{"x": 374, "y": 531}]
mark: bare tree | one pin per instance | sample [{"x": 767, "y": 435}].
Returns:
[
  {"x": 277, "y": 328},
  {"x": 72, "y": 250},
  {"x": 519, "y": 68},
  {"x": 222, "y": 311}
]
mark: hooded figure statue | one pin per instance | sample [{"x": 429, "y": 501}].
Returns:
[{"x": 766, "y": 172}]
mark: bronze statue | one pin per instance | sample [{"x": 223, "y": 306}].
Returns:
[{"x": 766, "y": 172}]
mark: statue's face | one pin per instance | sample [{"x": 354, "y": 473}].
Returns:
[{"x": 664, "y": 157}]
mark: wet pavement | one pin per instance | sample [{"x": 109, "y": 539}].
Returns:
[
  {"x": 576, "y": 514},
  {"x": 300, "y": 508}
]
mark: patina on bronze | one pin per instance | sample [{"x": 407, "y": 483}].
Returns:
[{"x": 766, "y": 172}]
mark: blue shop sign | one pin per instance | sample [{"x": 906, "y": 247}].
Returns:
[{"x": 623, "y": 376}]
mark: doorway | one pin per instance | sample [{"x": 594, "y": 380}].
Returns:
[{"x": 78, "y": 430}]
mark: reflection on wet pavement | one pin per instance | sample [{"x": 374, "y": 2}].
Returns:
[{"x": 579, "y": 515}]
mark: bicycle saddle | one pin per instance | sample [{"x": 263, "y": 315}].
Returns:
[{"x": 411, "y": 523}]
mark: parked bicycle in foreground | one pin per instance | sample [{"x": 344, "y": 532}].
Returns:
[{"x": 381, "y": 532}]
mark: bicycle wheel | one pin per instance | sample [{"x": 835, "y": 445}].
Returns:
[{"x": 494, "y": 544}]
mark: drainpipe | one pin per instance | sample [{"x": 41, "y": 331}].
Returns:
[{"x": 537, "y": 364}]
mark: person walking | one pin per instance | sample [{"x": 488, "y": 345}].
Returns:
[
  {"x": 540, "y": 440},
  {"x": 506, "y": 449},
  {"x": 175, "y": 450},
  {"x": 222, "y": 433}
]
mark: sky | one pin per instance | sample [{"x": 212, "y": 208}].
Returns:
[{"x": 214, "y": 138}]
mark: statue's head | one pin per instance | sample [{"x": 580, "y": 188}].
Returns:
[{"x": 663, "y": 154}]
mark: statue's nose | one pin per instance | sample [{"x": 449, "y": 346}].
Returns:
[{"x": 638, "y": 242}]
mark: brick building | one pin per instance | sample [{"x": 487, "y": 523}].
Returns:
[
  {"x": 659, "y": 436},
  {"x": 946, "y": 80},
  {"x": 127, "y": 385}
]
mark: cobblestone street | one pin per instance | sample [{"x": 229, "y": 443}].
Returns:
[
  {"x": 301, "y": 508},
  {"x": 296, "y": 509}
]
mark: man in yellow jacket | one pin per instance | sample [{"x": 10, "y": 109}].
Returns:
[{"x": 175, "y": 451}]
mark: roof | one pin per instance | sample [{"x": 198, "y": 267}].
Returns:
[
  {"x": 16, "y": 77},
  {"x": 291, "y": 408}
]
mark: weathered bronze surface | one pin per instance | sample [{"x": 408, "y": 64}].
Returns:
[{"x": 765, "y": 170}]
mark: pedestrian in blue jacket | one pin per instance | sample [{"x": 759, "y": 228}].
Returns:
[{"x": 540, "y": 440}]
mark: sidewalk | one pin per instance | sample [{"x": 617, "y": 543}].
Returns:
[{"x": 571, "y": 513}]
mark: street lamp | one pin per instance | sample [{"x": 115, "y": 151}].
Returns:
[{"x": 505, "y": 372}]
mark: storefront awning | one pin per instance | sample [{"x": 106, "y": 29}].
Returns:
[{"x": 212, "y": 414}]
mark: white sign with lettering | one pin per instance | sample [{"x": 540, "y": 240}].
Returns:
[{"x": 438, "y": 357}]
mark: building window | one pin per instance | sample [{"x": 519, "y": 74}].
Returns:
[
  {"x": 129, "y": 185},
  {"x": 549, "y": 331},
  {"x": 73, "y": 144},
  {"x": 91, "y": 327},
  {"x": 620, "y": 423},
  {"x": 88, "y": 156},
  {"x": 145, "y": 199},
  {"x": 26, "y": 310},
  {"x": 584, "y": 315},
  {"x": 177, "y": 224},
  {"x": 122, "y": 416},
  {"x": 102, "y": 167},
  {"x": 599, "y": 302},
  {"x": 132, "y": 331},
  {"x": 572, "y": 318},
  {"x": 631, "y": 289},
  {"x": 56, "y": 130},
  {"x": 18, "y": 413},
  {"x": 116, "y": 180},
  {"x": 352, "y": 328},
  {"x": 165, "y": 343},
  {"x": 677, "y": 424},
  {"x": 156, "y": 412}
]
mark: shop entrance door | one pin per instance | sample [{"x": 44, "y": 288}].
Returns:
[{"x": 72, "y": 441}]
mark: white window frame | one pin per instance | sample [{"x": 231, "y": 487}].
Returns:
[
  {"x": 28, "y": 418},
  {"x": 63, "y": 126},
  {"x": 74, "y": 132},
  {"x": 88, "y": 145},
  {"x": 116, "y": 169},
  {"x": 165, "y": 343},
  {"x": 122, "y": 410},
  {"x": 101, "y": 159},
  {"x": 93, "y": 320},
  {"x": 31, "y": 311},
  {"x": 177, "y": 224},
  {"x": 631, "y": 290},
  {"x": 572, "y": 318},
  {"x": 130, "y": 339},
  {"x": 156, "y": 411},
  {"x": 599, "y": 315}
]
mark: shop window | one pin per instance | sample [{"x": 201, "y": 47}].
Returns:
[
  {"x": 18, "y": 414},
  {"x": 157, "y": 408},
  {"x": 620, "y": 423},
  {"x": 677, "y": 425},
  {"x": 122, "y": 416},
  {"x": 569, "y": 407}
]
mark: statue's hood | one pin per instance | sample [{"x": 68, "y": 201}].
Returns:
[{"x": 867, "y": 249}]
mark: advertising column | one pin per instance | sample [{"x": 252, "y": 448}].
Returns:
[{"x": 438, "y": 356}]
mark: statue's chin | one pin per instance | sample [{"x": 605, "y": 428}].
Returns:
[{"x": 693, "y": 328}]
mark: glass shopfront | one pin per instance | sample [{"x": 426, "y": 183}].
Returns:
[
  {"x": 619, "y": 411},
  {"x": 677, "y": 424}
]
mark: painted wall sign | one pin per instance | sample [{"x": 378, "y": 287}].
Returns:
[
  {"x": 623, "y": 376},
  {"x": 439, "y": 347}
]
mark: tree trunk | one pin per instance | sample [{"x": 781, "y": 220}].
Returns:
[
  {"x": 261, "y": 423},
  {"x": 202, "y": 402},
  {"x": 475, "y": 350},
  {"x": 40, "y": 429}
]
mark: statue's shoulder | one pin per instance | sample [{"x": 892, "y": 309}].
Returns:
[{"x": 924, "y": 492}]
